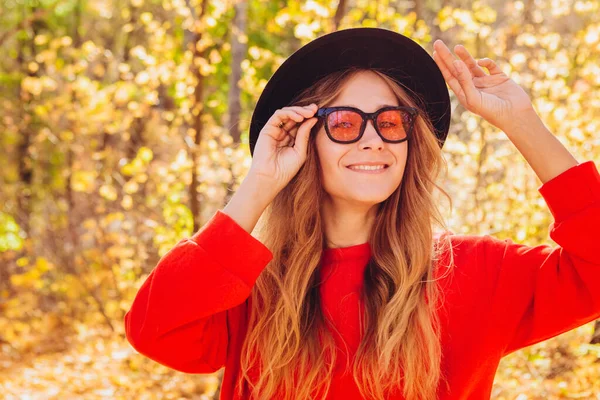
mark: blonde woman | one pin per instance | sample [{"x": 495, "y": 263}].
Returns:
[{"x": 346, "y": 292}]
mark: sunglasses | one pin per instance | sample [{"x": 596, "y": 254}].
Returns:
[{"x": 347, "y": 124}]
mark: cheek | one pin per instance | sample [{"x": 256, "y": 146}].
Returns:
[
  {"x": 401, "y": 154},
  {"x": 329, "y": 154}
]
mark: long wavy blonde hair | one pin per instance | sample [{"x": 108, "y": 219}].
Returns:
[{"x": 288, "y": 336}]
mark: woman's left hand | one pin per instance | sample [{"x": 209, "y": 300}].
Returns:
[{"x": 495, "y": 97}]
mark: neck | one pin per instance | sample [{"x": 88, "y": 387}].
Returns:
[{"x": 347, "y": 224}]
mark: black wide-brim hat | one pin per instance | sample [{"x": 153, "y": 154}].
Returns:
[{"x": 390, "y": 52}]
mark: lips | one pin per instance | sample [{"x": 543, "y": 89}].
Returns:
[
  {"x": 370, "y": 164},
  {"x": 379, "y": 170}
]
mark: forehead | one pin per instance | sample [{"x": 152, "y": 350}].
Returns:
[{"x": 367, "y": 91}]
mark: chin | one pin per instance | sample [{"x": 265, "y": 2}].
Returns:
[{"x": 370, "y": 199}]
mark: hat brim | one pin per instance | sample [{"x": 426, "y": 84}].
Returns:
[{"x": 398, "y": 56}]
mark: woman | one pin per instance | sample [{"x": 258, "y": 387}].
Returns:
[{"x": 349, "y": 294}]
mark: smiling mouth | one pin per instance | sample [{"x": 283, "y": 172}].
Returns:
[{"x": 369, "y": 168}]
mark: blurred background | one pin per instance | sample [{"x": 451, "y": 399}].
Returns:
[{"x": 124, "y": 127}]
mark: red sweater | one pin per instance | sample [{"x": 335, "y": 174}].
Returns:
[{"x": 190, "y": 313}]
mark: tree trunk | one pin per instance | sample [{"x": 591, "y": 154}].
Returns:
[
  {"x": 339, "y": 14},
  {"x": 238, "y": 53},
  {"x": 197, "y": 111}
]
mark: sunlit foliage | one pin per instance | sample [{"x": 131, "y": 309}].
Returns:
[{"x": 99, "y": 146}]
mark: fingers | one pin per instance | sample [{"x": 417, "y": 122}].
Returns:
[
  {"x": 287, "y": 118},
  {"x": 451, "y": 76},
  {"x": 465, "y": 79},
  {"x": 464, "y": 54},
  {"x": 448, "y": 75},
  {"x": 304, "y": 110},
  {"x": 445, "y": 57},
  {"x": 301, "y": 139},
  {"x": 457, "y": 72},
  {"x": 490, "y": 65}
]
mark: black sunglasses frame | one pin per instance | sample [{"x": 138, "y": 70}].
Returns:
[{"x": 323, "y": 113}]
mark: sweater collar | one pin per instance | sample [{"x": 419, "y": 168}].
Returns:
[
  {"x": 342, "y": 269},
  {"x": 356, "y": 253}
]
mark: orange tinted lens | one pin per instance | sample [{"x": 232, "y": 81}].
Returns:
[
  {"x": 393, "y": 124},
  {"x": 344, "y": 125}
]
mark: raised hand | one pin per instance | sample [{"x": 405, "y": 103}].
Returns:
[
  {"x": 493, "y": 96},
  {"x": 281, "y": 147}
]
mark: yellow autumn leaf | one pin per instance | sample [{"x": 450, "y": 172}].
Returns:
[
  {"x": 42, "y": 264},
  {"x": 84, "y": 181},
  {"x": 145, "y": 154},
  {"x": 131, "y": 187},
  {"x": 108, "y": 192}
]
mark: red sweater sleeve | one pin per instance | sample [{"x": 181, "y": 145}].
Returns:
[
  {"x": 540, "y": 292},
  {"x": 179, "y": 315}
]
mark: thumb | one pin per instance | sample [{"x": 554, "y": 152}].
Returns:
[{"x": 301, "y": 142}]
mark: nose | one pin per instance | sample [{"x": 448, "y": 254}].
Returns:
[{"x": 370, "y": 138}]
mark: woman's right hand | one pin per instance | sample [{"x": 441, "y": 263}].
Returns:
[{"x": 280, "y": 151}]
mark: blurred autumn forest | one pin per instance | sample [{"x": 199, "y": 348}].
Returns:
[{"x": 124, "y": 127}]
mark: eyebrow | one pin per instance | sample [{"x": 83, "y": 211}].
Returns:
[{"x": 378, "y": 107}]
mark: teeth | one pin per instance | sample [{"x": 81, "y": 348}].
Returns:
[{"x": 367, "y": 167}]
